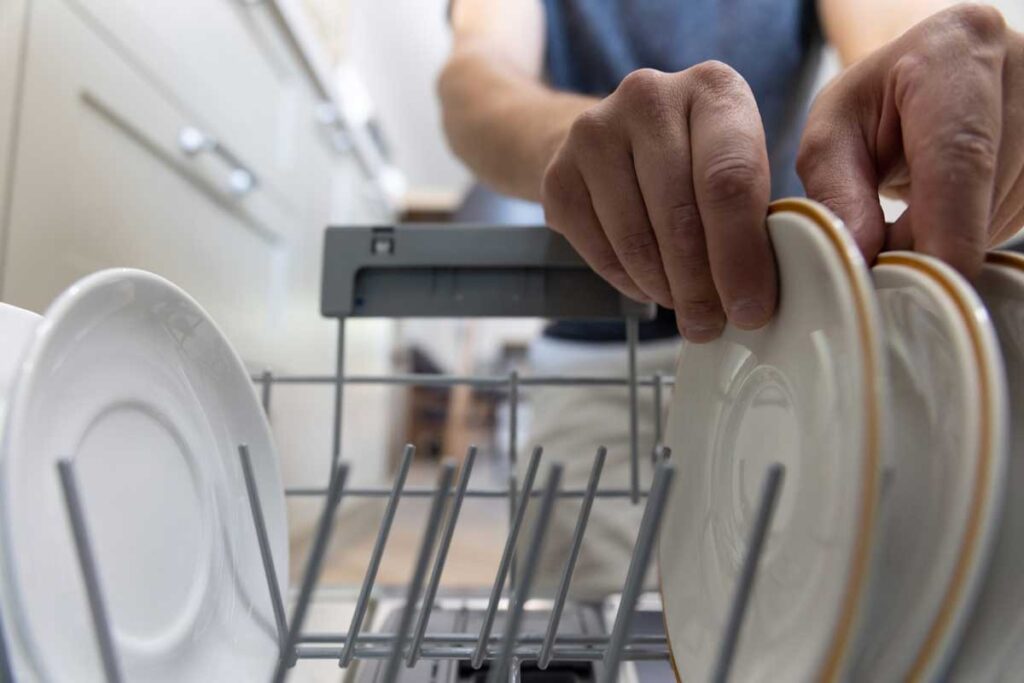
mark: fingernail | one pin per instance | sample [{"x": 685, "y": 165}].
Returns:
[
  {"x": 747, "y": 314},
  {"x": 701, "y": 333}
]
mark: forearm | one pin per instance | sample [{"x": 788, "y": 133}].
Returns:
[
  {"x": 856, "y": 28},
  {"x": 503, "y": 124}
]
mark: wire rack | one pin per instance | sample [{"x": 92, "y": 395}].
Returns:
[{"x": 498, "y": 651}]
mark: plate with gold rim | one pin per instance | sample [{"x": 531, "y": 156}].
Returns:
[
  {"x": 806, "y": 391},
  {"x": 943, "y": 480},
  {"x": 991, "y": 648}
]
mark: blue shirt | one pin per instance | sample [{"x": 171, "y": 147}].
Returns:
[
  {"x": 774, "y": 44},
  {"x": 593, "y": 44}
]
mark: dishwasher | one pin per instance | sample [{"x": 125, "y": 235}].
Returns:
[{"x": 419, "y": 633}]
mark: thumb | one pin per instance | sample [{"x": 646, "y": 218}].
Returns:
[{"x": 837, "y": 170}]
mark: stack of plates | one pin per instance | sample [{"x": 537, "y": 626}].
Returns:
[
  {"x": 127, "y": 377},
  {"x": 886, "y": 393}
]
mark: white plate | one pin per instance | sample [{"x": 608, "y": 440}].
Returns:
[
  {"x": 805, "y": 391},
  {"x": 993, "y": 641},
  {"x": 127, "y": 376},
  {"x": 942, "y": 486},
  {"x": 16, "y": 325}
]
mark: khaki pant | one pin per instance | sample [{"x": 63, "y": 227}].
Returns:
[{"x": 570, "y": 423}]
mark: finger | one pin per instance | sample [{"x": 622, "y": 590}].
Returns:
[
  {"x": 951, "y": 111},
  {"x": 606, "y": 164},
  {"x": 837, "y": 170},
  {"x": 1006, "y": 219},
  {"x": 661, "y": 157},
  {"x": 732, "y": 185},
  {"x": 1009, "y": 191},
  {"x": 898, "y": 234},
  {"x": 568, "y": 210}
]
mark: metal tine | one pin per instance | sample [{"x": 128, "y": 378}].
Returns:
[
  {"x": 267, "y": 383},
  {"x": 485, "y": 493},
  {"x": 649, "y": 525},
  {"x": 513, "y": 457},
  {"x": 770, "y": 490},
  {"x": 6, "y": 669},
  {"x": 506, "y": 556},
  {"x": 375, "y": 557},
  {"x": 90, "y": 571},
  {"x": 513, "y": 417},
  {"x": 462, "y": 638},
  {"x": 570, "y": 565},
  {"x": 633, "y": 339},
  {"x": 339, "y": 396},
  {"x": 312, "y": 571},
  {"x": 500, "y": 667},
  {"x": 513, "y": 505},
  {"x": 442, "y": 556},
  {"x": 444, "y": 484},
  {"x": 659, "y": 429},
  {"x": 276, "y": 603}
]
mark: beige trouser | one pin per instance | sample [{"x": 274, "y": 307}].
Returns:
[{"x": 570, "y": 423}]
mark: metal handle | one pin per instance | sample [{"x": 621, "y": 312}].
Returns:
[
  {"x": 193, "y": 141},
  {"x": 327, "y": 115}
]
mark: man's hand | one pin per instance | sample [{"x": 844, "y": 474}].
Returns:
[
  {"x": 663, "y": 188},
  {"x": 935, "y": 117}
]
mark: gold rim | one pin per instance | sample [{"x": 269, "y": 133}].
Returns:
[
  {"x": 841, "y": 638},
  {"x": 1006, "y": 258},
  {"x": 969, "y": 545}
]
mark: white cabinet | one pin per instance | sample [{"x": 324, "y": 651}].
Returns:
[
  {"x": 90, "y": 140},
  {"x": 100, "y": 181},
  {"x": 99, "y": 176}
]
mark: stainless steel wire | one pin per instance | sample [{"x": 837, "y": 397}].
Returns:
[
  {"x": 411, "y": 642},
  {"x": 90, "y": 572}
]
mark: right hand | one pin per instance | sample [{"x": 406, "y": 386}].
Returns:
[{"x": 663, "y": 188}]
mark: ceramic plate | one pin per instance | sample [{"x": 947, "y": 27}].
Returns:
[
  {"x": 993, "y": 639},
  {"x": 16, "y": 325},
  {"x": 942, "y": 488},
  {"x": 129, "y": 378},
  {"x": 805, "y": 391}
]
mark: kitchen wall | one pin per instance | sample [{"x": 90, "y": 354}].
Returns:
[{"x": 398, "y": 47}]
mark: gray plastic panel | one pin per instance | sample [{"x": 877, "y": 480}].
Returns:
[{"x": 428, "y": 270}]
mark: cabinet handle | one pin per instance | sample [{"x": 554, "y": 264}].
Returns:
[{"x": 192, "y": 141}]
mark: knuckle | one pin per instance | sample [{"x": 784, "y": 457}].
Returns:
[
  {"x": 910, "y": 71},
  {"x": 699, "y": 310},
  {"x": 639, "y": 249},
  {"x": 684, "y": 234},
  {"x": 608, "y": 266},
  {"x": 971, "y": 148},
  {"x": 642, "y": 85},
  {"x": 554, "y": 193},
  {"x": 716, "y": 76},
  {"x": 730, "y": 176},
  {"x": 979, "y": 22},
  {"x": 814, "y": 146},
  {"x": 642, "y": 97},
  {"x": 591, "y": 128}
]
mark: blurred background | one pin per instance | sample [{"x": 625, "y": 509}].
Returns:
[{"x": 211, "y": 141}]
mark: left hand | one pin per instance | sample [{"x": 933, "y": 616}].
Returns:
[{"x": 936, "y": 118}]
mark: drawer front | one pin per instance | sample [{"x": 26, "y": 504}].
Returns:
[
  {"x": 227, "y": 62},
  {"x": 101, "y": 181}
]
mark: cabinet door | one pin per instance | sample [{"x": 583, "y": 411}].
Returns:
[
  {"x": 100, "y": 181},
  {"x": 229, "y": 61}
]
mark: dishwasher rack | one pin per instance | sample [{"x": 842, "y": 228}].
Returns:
[{"x": 445, "y": 271}]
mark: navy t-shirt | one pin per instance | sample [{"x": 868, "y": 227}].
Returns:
[{"x": 774, "y": 44}]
